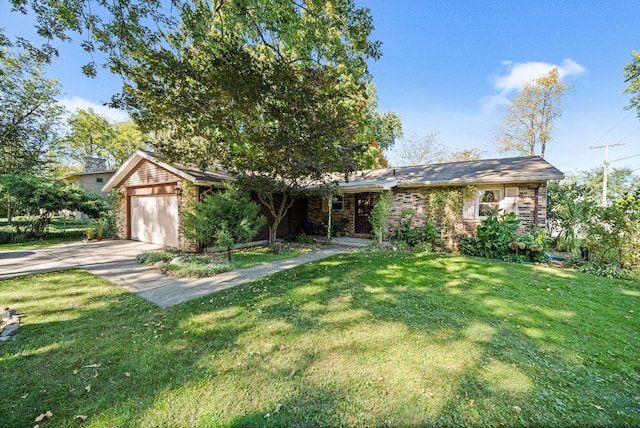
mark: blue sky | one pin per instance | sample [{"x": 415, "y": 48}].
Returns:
[{"x": 450, "y": 67}]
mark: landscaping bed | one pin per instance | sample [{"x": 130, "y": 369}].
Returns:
[{"x": 198, "y": 265}]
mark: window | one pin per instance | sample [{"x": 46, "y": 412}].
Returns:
[
  {"x": 338, "y": 203},
  {"x": 99, "y": 180},
  {"x": 489, "y": 202}
]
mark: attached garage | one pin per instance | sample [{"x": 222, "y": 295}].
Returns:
[
  {"x": 155, "y": 219},
  {"x": 155, "y": 194}
]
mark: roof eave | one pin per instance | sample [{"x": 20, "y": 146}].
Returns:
[{"x": 517, "y": 180}]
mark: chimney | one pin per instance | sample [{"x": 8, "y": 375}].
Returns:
[{"x": 93, "y": 164}]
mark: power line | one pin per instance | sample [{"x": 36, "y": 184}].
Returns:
[
  {"x": 624, "y": 138},
  {"x": 628, "y": 157},
  {"x": 612, "y": 128}
]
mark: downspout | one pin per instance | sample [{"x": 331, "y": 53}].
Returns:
[{"x": 536, "y": 204}]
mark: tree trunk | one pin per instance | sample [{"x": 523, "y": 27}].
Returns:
[
  {"x": 273, "y": 231},
  {"x": 229, "y": 253}
]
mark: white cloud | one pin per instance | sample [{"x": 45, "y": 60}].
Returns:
[
  {"x": 516, "y": 75},
  {"x": 76, "y": 103}
]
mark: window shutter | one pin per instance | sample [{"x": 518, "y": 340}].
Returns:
[
  {"x": 469, "y": 209},
  {"x": 511, "y": 200}
]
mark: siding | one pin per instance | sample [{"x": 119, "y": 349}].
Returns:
[{"x": 146, "y": 173}]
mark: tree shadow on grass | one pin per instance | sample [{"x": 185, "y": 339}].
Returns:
[{"x": 368, "y": 339}]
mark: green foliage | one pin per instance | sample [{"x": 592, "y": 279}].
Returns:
[
  {"x": 37, "y": 199},
  {"x": 426, "y": 236},
  {"x": 338, "y": 225},
  {"x": 568, "y": 207},
  {"x": 632, "y": 77},
  {"x": 619, "y": 182},
  {"x": 379, "y": 217},
  {"x": 613, "y": 233},
  {"x": 607, "y": 270},
  {"x": 493, "y": 237},
  {"x": 223, "y": 219},
  {"x": 91, "y": 135},
  {"x": 530, "y": 247},
  {"x": 444, "y": 207},
  {"x": 29, "y": 118}
]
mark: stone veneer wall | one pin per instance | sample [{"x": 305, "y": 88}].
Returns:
[
  {"x": 122, "y": 214},
  {"x": 190, "y": 193}
]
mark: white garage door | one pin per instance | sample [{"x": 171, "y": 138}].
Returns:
[{"x": 155, "y": 219}]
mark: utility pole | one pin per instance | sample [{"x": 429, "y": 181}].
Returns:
[{"x": 606, "y": 165}]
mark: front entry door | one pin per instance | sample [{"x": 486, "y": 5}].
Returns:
[{"x": 364, "y": 203}]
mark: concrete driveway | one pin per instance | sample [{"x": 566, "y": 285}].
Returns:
[
  {"x": 116, "y": 262},
  {"x": 90, "y": 255}
]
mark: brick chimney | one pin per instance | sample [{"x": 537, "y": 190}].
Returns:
[{"x": 94, "y": 164}]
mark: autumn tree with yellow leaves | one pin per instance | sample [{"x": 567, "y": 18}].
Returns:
[{"x": 531, "y": 115}]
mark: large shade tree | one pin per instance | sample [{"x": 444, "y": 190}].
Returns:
[
  {"x": 92, "y": 135},
  {"x": 29, "y": 116},
  {"x": 274, "y": 91}
]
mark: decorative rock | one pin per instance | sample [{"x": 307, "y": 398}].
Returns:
[
  {"x": 178, "y": 260},
  {"x": 10, "y": 323}
]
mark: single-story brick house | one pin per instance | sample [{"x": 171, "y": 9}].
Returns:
[{"x": 154, "y": 193}]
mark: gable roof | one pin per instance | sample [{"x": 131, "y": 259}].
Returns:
[
  {"x": 479, "y": 172},
  {"x": 209, "y": 177}
]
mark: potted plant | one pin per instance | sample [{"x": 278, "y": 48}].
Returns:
[{"x": 99, "y": 230}]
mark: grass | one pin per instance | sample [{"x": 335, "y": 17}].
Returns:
[
  {"x": 360, "y": 339},
  {"x": 190, "y": 265},
  {"x": 60, "y": 230}
]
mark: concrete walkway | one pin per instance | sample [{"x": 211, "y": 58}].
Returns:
[{"x": 115, "y": 261}]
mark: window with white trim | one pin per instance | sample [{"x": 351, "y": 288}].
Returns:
[
  {"x": 489, "y": 202},
  {"x": 496, "y": 201}
]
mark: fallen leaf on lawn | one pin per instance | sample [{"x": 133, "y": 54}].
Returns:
[
  {"x": 513, "y": 365},
  {"x": 268, "y": 415},
  {"x": 278, "y": 407},
  {"x": 637, "y": 398},
  {"x": 23, "y": 396},
  {"x": 517, "y": 408},
  {"x": 598, "y": 407},
  {"x": 81, "y": 418},
  {"x": 292, "y": 373},
  {"x": 75, "y": 372},
  {"x": 127, "y": 374},
  {"x": 88, "y": 388},
  {"x": 43, "y": 416},
  {"x": 472, "y": 402},
  {"x": 384, "y": 392}
]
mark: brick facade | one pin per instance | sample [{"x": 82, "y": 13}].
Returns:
[{"x": 415, "y": 199}]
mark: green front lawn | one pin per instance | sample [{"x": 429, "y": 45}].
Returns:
[
  {"x": 60, "y": 230},
  {"x": 360, "y": 339}
]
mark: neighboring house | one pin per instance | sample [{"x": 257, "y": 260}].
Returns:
[
  {"x": 155, "y": 193},
  {"x": 93, "y": 177}
]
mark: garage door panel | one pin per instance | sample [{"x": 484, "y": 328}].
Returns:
[{"x": 155, "y": 219}]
